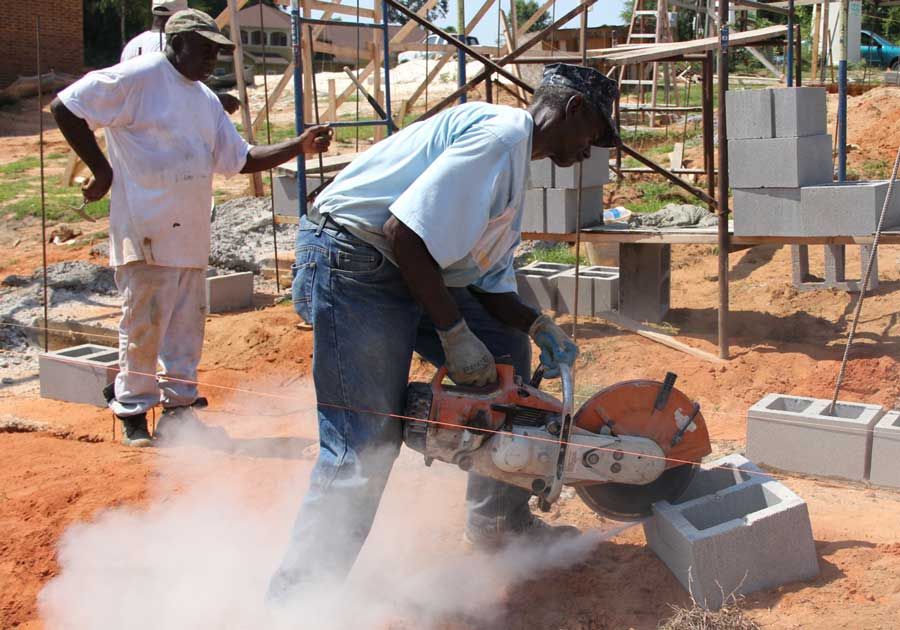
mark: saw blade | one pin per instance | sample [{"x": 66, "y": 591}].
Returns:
[{"x": 626, "y": 502}]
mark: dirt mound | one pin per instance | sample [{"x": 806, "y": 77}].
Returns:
[{"x": 873, "y": 124}]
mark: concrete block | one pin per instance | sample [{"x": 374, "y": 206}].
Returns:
[
  {"x": 799, "y": 111},
  {"x": 598, "y": 291},
  {"x": 596, "y": 171},
  {"x": 78, "y": 374},
  {"x": 780, "y": 162},
  {"x": 846, "y": 209},
  {"x": 835, "y": 269},
  {"x": 562, "y": 208},
  {"x": 540, "y": 174},
  {"x": 230, "y": 292},
  {"x": 720, "y": 475},
  {"x": 742, "y": 539},
  {"x": 284, "y": 191},
  {"x": 767, "y": 212},
  {"x": 793, "y": 433},
  {"x": 750, "y": 114},
  {"x": 537, "y": 284},
  {"x": 644, "y": 281},
  {"x": 534, "y": 214},
  {"x": 886, "y": 451}
]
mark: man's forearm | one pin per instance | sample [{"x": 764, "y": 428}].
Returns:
[
  {"x": 509, "y": 309},
  {"x": 264, "y": 157},
  {"x": 422, "y": 274},
  {"x": 80, "y": 137}
]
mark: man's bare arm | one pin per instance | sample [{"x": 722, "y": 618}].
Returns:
[
  {"x": 80, "y": 137},
  {"x": 509, "y": 309},
  {"x": 314, "y": 140}
]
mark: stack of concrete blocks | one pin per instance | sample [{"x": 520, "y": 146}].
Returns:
[
  {"x": 598, "y": 291},
  {"x": 537, "y": 284},
  {"x": 885, "y": 465},
  {"x": 285, "y": 193},
  {"x": 735, "y": 530},
  {"x": 800, "y": 434},
  {"x": 551, "y": 201},
  {"x": 644, "y": 281},
  {"x": 78, "y": 374},
  {"x": 229, "y": 292}
]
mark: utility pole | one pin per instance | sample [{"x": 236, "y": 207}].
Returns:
[{"x": 460, "y": 54}]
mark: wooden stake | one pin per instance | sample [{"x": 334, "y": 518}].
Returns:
[{"x": 237, "y": 56}]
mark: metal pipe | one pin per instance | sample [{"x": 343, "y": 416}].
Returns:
[
  {"x": 798, "y": 57},
  {"x": 341, "y": 23},
  {"x": 386, "y": 60},
  {"x": 709, "y": 150},
  {"x": 460, "y": 55},
  {"x": 312, "y": 58},
  {"x": 40, "y": 88},
  {"x": 723, "y": 236},
  {"x": 269, "y": 141},
  {"x": 668, "y": 175},
  {"x": 789, "y": 48},
  {"x": 842, "y": 91},
  {"x": 299, "y": 124}
]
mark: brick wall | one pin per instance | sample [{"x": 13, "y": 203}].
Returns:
[{"x": 62, "y": 39}]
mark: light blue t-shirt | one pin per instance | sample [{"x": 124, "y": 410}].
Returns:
[{"x": 457, "y": 180}]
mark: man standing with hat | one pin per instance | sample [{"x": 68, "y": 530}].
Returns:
[
  {"x": 167, "y": 135},
  {"x": 411, "y": 248}
]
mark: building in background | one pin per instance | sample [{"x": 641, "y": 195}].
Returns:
[{"x": 62, "y": 38}]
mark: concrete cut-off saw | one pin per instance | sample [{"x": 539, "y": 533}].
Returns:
[{"x": 628, "y": 446}]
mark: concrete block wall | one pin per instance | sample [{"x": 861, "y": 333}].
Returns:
[
  {"x": 644, "y": 281},
  {"x": 767, "y": 211},
  {"x": 537, "y": 284},
  {"x": 799, "y": 111},
  {"x": 534, "y": 216},
  {"x": 230, "y": 292},
  {"x": 552, "y": 199},
  {"x": 78, "y": 374},
  {"x": 794, "y": 433},
  {"x": 747, "y": 536},
  {"x": 885, "y": 465},
  {"x": 847, "y": 209},
  {"x": 780, "y": 162},
  {"x": 598, "y": 290},
  {"x": 596, "y": 171},
  {"x": 540, "y": 174},
  {"x": 561, "y": 208},
  {"x": 751, "y": 114}
]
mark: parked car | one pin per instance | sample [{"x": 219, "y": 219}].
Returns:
[
  {"x": 223, "y": 74},
  {"x": 431, "y": 40},
  {"x": 877, "y": 51}
]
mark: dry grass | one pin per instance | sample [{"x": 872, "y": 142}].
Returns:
[{"x": 729, "y": 617}]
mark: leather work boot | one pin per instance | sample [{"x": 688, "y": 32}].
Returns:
[
  {"x": 535, "y": 532},
  {"x": 182, "y": 425},
  {"x": 134, "y": 431}
]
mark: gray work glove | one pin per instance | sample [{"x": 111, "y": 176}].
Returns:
[
  {"x": 469, "y": 362},
  {"x": 555, "y": 345}
]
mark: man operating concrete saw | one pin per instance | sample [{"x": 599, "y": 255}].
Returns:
[{"x": 411, "y": 249}]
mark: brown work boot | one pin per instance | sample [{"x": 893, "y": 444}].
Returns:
[
  {"x": 134, "y": 431},
  {"x": 535, "y": 532}
]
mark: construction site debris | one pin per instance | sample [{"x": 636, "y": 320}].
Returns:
[
  {"x": 675, "y": 215},
  {"x": 242, "y": 234}
]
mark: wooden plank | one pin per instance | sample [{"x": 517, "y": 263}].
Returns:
[
  {"x": 336, "y": 7},
  {"x": 237, "y": 56},
  {"x": 510, "y": 46},
  {"x": 761, "y": 58},
  {"x": 648, "y": 333},
  {"x": 275, "y": 95},
  {"x": 331, "y": 114},
  {"x": 330, "y": 164},
  {"x": 534, "y": 18},
  {"x": 225, "y": 16}
]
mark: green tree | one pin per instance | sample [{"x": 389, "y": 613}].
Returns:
[{"x": 525, "y": 9}]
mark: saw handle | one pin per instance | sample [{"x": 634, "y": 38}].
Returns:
[{"x": 505, "y": 379}]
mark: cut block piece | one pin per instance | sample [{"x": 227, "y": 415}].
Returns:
[
  {"x": 767, "y": 212},
  {"x": 846, "y": 209},
  {"x": 799, "y": 111},
  {"x": 750, "y": 114},
  {"x": 739, "y": 540},
  {"x": 78, "y": 374},
  {"x": 596, "y": 171},
  {"x": 598, "y": 291},
  {"x": 285, "y": 193},
  {"x": 230, "y": 292},
  {"x": 537, "y": 284},
  {"x": 796, "y": 434},
  {"x": 780, "y": 162},
  {"x": 886, "y": 451},
  {"x": 534, "y": 215},
  {"x": 644, "y": 281},
  {"x": 720, "y": 475},
  {"x": 562, "y": 209},
  {"x": 540, "y": 174}
]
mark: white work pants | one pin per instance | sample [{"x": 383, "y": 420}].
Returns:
[{"x": 163, "y": 317}]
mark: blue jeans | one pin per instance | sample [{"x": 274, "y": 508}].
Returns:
[{"x": 367, "y": 326}]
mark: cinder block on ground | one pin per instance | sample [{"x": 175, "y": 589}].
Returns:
[
  {"x": 562, "y": 208},
  {"x": 534, "y": 214},
  {"x": 796, "y": 434},
  {"x": 644, "y": 281},
  {"x": 537, "y": 284},
  {"x": 780, "y": 162},
  {"x": 230, "y": 292},
  {"x": 596, "y": 171},
  {"x": 284, "y": 191},
  {"x": 847, "y": 208},
  {"x": 767, "y": 212},
  {"x": 799, "y": 111},
  {"x": 720, "y": 475},
  {"x": 750, "y": 114},
  {"x": 741, "y": 539},
  {"x": 598, "y": 290},
  {"x": 886, "y": 451},
  {"x": 78, "y": 374},
  {"x": 540, "y": 174}
]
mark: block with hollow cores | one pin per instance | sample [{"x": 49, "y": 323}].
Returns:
[
  {"x": 537, "y": 284},
  {"x": 230, "y": 292},
  {"x": 596, "y": 171},
  {"x": 534, "y": 214},
  {"x": 847, "y": 209},
  {"x": 562, "y": 208},
  {"x": 780, "y": 162},
  {"x": 798, "y": 434},
  {"x": 540, "y": 174},
  {"x": 750, "y": 114},
  {"x": 285, "y": 193},
  {"x": 644, "y": 281},
  {"x": 741, "y": 539},
  {"x": 835, "y": 269},
  {"x": 799, "y": 111},
  {"x": 720, "y": 475},
  {"x": 767, "y": 212},
  {"x": 598, "y": 290},
  {"x": 886, "y": 451},
  {"x": 78, "y": 374}
]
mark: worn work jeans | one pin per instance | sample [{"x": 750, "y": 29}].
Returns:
[{"x": 367, "y": 326}]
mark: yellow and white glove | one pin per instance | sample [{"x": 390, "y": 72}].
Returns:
[{"x": 469, "y": 362}]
